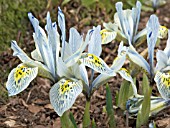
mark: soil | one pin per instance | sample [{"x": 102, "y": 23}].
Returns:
[{"x": 32, "y": 109}]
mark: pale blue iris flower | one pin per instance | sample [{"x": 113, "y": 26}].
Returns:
[
  {"x": 125, "y": 23},
  {"x": 125, "y": 26},
  {"x": 162, "y": 76},
  {"x": 160, "y": 73},
  {"x": 67, "y": 71},
  {"x": 155, "y": 3}
]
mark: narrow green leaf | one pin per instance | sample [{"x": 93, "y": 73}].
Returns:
[
  {"x": 117, "y": 98},
  {"x": 73, "y": 120},
  {"x": 65, "y": 121},
  {"x": 143, "y": 114},
  {"x": 145, "y": 83},
  {"x": 93, "y": 123},
  {"x": 86, "y": 117},
  {"x": 125, "y": 92},
  {"x": 109, "y": 107}
]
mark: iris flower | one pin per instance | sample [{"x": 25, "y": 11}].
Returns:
[
  {"x": 125, "y": 26},
  {"x": 64, "y": 70},
  {"x": 160, "y": 73},
  {"x": 64, "y": 66}
]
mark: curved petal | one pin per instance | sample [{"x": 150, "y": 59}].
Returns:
[
  {"x": 19, "y": 79},
  {"x": 140, "y": 34},
  {"x": 75, "y": 40},
  {"x": 120, "y": 17},
  {"x": 124, "y": 23},
  {"x": 162, "y": 60},
  {"x": 61, "y": 23},
  {"x": 138, "y": 59},
  {"x": 107, "y": 36},
  {"x": 62, "y": 69},
  {"x": 44, "y": 47},
  {"x": 19, "y": 52},
  {"x": 122, "y": 49},
  {"x": 64, "y": 93},
  {"x": 101, "y": 79},
  {"x": 68, "y": 52},
  {"x": 53, "y": 37},
  {"x": 167, "y": 48},
  {"x": 94, "y": 62},
  {"x": 95, "y": 42},
  {"x": 125, "y": 74},
  {"x": 152, "y": 34},
  {"x": 163, "y": 84},
  {"x": 130, "y": 22},
  {"x": 118, "y": 62},
  {"x": 36, "y": 56},
  {"x": 71, "y": 60},
  {"x": 110, "y": 26},
  {"x": 83, "y": 73},
  {"x": 80, "y": 72},
  {"x": 136, "y": 16},
  {"x": 42, "y": 69},
  {"x": 163, "y": 32}
]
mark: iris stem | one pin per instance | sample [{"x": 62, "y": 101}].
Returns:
[
  {"x": 86, "y": 117},
  {"x": 65, "y": 120},
  {"x": 91, "y": 80}
]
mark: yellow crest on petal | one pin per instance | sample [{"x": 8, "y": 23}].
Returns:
[
  {"x": 66, "y": 86},
  {"x": 107, "y": 36},
  {"x": 163, "y": 84},
  {"x": 20, "y": 72},
  {"x": 19, "y": 78},
  {"x": 64, "y": 93},
  {"x": 94, "y": 62},
  {"x": 163, "y": 32},
  {"x": 125, "y": 72}
]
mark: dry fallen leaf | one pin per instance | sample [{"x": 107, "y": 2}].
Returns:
[
  {"x": 49, "y": 106},
  {"x": 10, "y": 123},
  {"x": 45, "y": 83},
  {"x": 34, "y": 109},
  {"x": 57, "y": 123},
  {"x": 3, "y": 108},
  {"x": 163, "y": 123},
  {"x": 39, "y": 126}
]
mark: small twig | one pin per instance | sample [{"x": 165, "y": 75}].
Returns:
[
  {"x": 100, "y": 96},
  {"x": 107, "y": 58},
  {"x": 144, "y": 53},
  {"x": 78, "y": 106},
  {"x": 29, "y": 93},
  {"x": 24, "y": 103},
  {"x": 18, "y": 36},
  {"x": 127, "y": 119}
]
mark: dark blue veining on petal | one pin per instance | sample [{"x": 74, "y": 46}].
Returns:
[
  {"x": 128, "y": 32},
  {"x": 91, "y": 31},
  {"x": 150, "y": 34}
]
